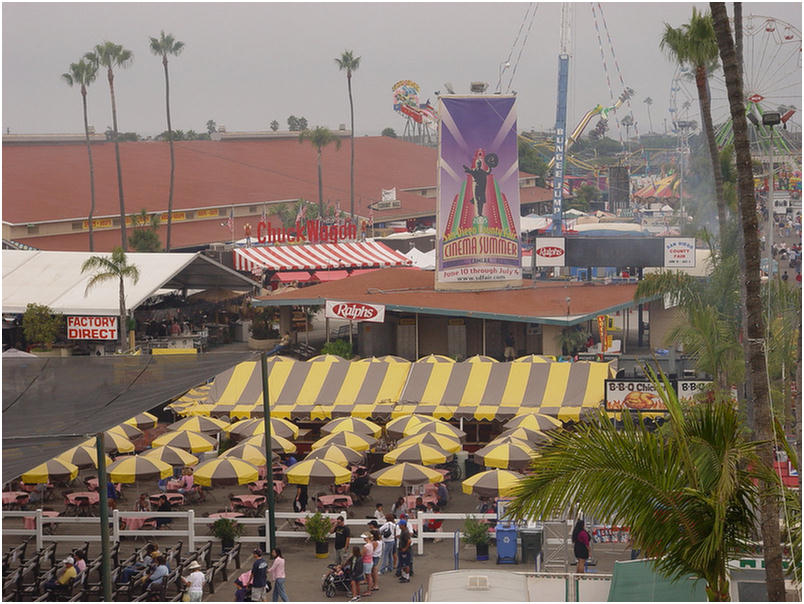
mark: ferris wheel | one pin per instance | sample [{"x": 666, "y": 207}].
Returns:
[{"x": 772, "y": 79}]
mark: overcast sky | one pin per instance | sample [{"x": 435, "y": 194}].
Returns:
[{"x": 245, "y": 65}]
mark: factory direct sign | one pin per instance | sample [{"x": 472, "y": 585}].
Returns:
[{"x": 92, "y": 328}]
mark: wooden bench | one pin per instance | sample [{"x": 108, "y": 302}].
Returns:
[{"x": 304, "y": 351}]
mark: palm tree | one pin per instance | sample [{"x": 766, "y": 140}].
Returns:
[
  {"x": 649, "y": 101},
  {"x": 684, "y": 490},
  {"x": 163, "y": 46},
  {"x": 83, "y": 74},
  {"x": 694, "y": 43},
  {"x": 350, "y": 63},
  {"x": 111, "y": 55},
  {"x": 320, "y": 137},
  {"x": 755, "y": 336},
  {"x": 106, "y": 268}
]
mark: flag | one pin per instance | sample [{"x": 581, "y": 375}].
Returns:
[
  {"x": 300, "y": 213},
  {"x": 230, "y": 222}
]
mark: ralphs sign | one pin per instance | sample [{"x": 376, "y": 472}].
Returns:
[
  {"x": 549, "y": 251},
  {"x": 355, "y": 311},
  {"x": 92, "y": 328}
]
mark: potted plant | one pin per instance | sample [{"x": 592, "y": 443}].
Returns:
[
  {"x": 41, "y": 327},
  {"x": 319, "y": 528},
  {"x": 263, "y": 335},
  {"x": 226, "y": 529},
  {"x": 477, "y": 533}
]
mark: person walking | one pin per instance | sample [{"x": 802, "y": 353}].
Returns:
[
  {"x": 388, "y": 533},
  {"x": 368, "y": 562},
  {"x": 580, "y": 539},
  {"x": 376, "y": 541},
  {"x": 355, "y": 565},
  {"x": 343, "y": 536},
  {"x": 259, "y": 577},
  {"x": 195, "y": 582},
  {"x": 277, "y": 572}
]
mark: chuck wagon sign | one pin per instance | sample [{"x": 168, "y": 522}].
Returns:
[{"x": 355, "y": 311}]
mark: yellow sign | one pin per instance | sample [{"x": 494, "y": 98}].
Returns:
[
  {"x": 99, "y": 223},
  {"x": 211, "y": 213},
  {"x": 163, "y": 218}
]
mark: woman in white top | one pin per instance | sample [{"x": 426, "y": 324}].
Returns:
[
  {"x": 377, "y": 556},
  {"x": 195, "y": 581}
]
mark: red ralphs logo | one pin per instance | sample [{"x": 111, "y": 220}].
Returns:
[
  {"x": 354, "y": 311},
  {"x": 550, "y": 251}
]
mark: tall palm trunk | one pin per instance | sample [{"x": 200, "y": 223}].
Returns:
[
  {"x": 172, "y": 161},
  {"x": 769, "y": 491},
  {"x": 352, "y": 144},
  {"x": 124, "y": 238},
  {"x": 123, "y": 322},
  {"x": 91, "y": 171},
  {"x": 320, "y": 188},
  {"x": 705, "y": 101}
]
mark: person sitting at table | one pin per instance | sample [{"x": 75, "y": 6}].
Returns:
[
  {"x": 379, "y": 513},
  {"x": 143, "y": 504},
  {"x": 420, "y": 507},
  {"x": 38, "y": 493},
  {"x": 433, "y": 525},
  {"x": 442, "y": 494},
  {"x": 162, "y": 484},
  {"x": 111, "y": 494},
  {"x": 399, "y": 507},
  {"x": 164, "y": 506},
  {"x": 290, "y": 460},
  {"x": 65, "y": 578},
  {"x": 186, "y": 481}
]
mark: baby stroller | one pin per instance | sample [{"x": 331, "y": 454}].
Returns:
[{"x": 336, "y": 580}]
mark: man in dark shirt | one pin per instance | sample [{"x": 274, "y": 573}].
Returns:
[
  {"x": 164, "y": 506},
  {"x": 259, "y": 575},
  {"x": 342, "y": 538}
]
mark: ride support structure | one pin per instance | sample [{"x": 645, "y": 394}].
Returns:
[{"x": 561, "y": 121}]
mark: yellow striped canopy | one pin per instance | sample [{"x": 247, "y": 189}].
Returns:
[
  {"x": 235, "y": 412},
  {"x": 358, "y": 442},
  {"x": 443, "y": 441},
  {"x": 171, "y": 455},
  {"x": 127, "y": 430},
  {"x": 343, "y": 456},
  {"x": 83, "y": 456},
  {"x": 426, "y": 455},
  {"x": 405, "y": 474},
  {"x": 225, "y": 471},
  {"x": 134, "y": 467},
  {"x": 252, "y": 427},
  {"x": 352, "y": 424},
  {"x": 492, "y": 483},
  {"x": 194, "y": 409},
  {"x": 189, "y": 441},
  {"x": 143, "y": 420},
  {"x": 197, "y": 423},
  {"x": 250, "y": 453},
  {"x": 52, "y": 470},
  {"x": 512, "y": 454},
  {"x": 277, "y": 443},
  {"x": 318, "y": 471}
]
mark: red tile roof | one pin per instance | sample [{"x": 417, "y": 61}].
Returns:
[{"x": 413, "y": 289}]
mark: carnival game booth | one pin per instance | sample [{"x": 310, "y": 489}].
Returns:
[{"x": 481, "y": 394}]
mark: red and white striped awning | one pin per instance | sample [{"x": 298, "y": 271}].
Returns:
[{"x": 315, "y": 256}]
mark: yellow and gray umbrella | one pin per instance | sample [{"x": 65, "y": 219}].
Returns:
[
  {"x": 189, "y": 441},
  {"x": 396, "y": 428},
  {"x": 143, "y": 421},
  {"x": 199, "y": 423},
  {"x": 513, "y": 454},
  {"x": 318, "y": 471},
  {"x": 127, "y": 430},
  {"x": 52, "y": 470},
  {"x": 481, "y": 358},
  {"x": 343, "y": 456},
  {"x": 113, "y": 442},
  {"x": 535, "y": 358},
  {"x": 437, "y": 427},
  {"x": 358, "y": 442},
  {"x": 405, "y": 474},
  {"x": 534, "y": 437},
  {"x": 133, "y": 468},
  {"x": 250, "y": 453},
  {"x": 277, "y": 443},
  {"x": 352, "y": 424},
  {"x": 435, "y": 358},
  {"x": 83, "y": 456},
  {"x": 448, "y": 443},
  {"x": 252, "y": 427},
  {"x": 426, "y": 455},
  {"x": 327, "y": 358},
  {"x": 534, "y": 421},
  {"x": 225, "y": 471},
  {"x": 171, "y": 455},
  {"x": 388, "y": 358},
  {"x": 492, "y": 483}
]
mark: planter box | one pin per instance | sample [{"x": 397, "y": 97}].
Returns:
[{"x": 262, "y": 344}]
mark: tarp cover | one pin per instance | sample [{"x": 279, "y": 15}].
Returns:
[
  {"x": 637, "y": 581},
  {"x": 46, "y": 397}
]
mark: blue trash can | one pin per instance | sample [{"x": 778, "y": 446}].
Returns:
[{"x": 506, "y": 543}]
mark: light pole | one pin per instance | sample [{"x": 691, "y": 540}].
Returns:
[
  {"x": 684, "y": 127},
  {"x": 771, "y": 119}
]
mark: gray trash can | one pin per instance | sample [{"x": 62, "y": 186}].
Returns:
[
  {"x": 532, "y": 542},
  {"x": 506, "y": 543}
]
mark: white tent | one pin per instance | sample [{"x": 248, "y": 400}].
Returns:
[
  {"x": 54, "y": 279},
  {"x": 422, "y": 260}
]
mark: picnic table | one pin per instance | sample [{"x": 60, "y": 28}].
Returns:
[
  {"x": 173, "y": 498},
  {"x": 135, "y": 524},
  {"x": 30, "y": 488},
  {"x": 92, "y": 485},
  {"x": 258, "y": 486},
  {"x": 249, "y": 502},
  {"x": 217, "y": 515},
  {"x": 92, "y": 497},
  {"x": 174, "y": 484},
  {"x": 334, "y": 502},
  {"x": 15, "y": 497},
  {"x": 29, "y": 522}
]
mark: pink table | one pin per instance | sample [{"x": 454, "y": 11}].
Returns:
[
  {"x": 226, "y": 515},
  {"x": 173, "y": 498},
  {"x": 335, "y": 501},
  {"x": 92, "y": 496},
  {"x": 135, "y": 524},
  {"x": 29, "y": 488},
  {"x": 12, "y": 497},
  {"x": 248, "y": 501},
  {"x": 29, "y": 522},
  {"x": 174, "y": 485},
  {"x": 92, "y": 484},
  {"x": 259, "y": 486}
]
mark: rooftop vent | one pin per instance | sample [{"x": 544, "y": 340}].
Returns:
[{"x": 478, "y": 583}]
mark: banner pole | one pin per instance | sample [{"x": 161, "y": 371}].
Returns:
[{"x": 266, "y": 407}]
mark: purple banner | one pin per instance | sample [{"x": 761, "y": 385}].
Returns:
[{"x": 478, "y": 193}]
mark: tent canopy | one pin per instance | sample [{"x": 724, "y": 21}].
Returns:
[
  {"x": 54, "y": 279},
  {"x": 46, "y": 400},
  {"x": 313, "y": 256}
]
